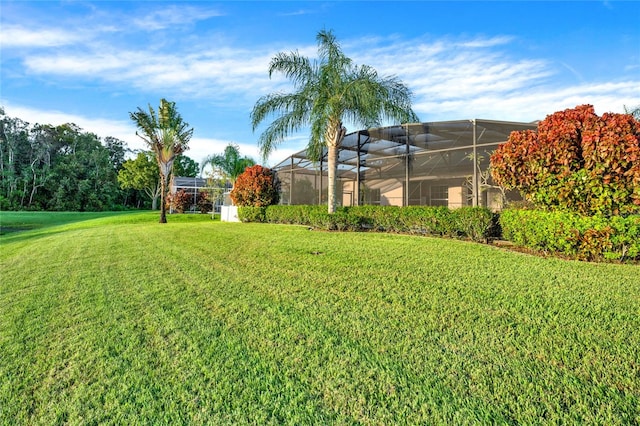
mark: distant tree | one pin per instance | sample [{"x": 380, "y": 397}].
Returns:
[
  {"x": 167, "y": 135},
  {"x": 230, "y": 163},
  {"x": 117, "y": 151},
  {"x": 185, "y": 167},
  {"x": 141, "y": 173},
  {"x": 43, "y": 150},
  {"x": 327, "y": 93},
  {"x": 57, "y": 167},
  {"x": 14, "y": 149},
  {"x": 575, "y": 161},
  {"x": 257, "y": 186},
  {"x": 83, "y": 178}
]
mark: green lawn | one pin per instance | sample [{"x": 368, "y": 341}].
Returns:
[{"x": 121, "y": 320}]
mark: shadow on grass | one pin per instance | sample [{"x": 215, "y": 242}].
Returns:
[{"x": 21, "y": 226}]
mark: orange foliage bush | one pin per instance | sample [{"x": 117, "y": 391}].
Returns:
[
  {"x": 257, "y": 187},
  {"x": 576, "y": 161}
]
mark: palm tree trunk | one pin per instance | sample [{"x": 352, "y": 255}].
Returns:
[
  {"x": 163, "y": 206},
  {"x": 334, "y": 137},
  {"x": 332, "y": 165},
  {"x": 165, "y": 172}
]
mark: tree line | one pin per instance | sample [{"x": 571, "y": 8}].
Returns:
[{"x": 47, "y": 167}]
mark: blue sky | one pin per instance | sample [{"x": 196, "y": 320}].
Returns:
[{"x": 91, "y": 63}]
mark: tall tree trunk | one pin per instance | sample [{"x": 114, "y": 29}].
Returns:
[
  {"x": 332, "y": 165},
  {"x": 163, "y": 205},
  {"x": 35, "y": 186},
  {"x": 154, "y": 194},
  {"x": 165, "y": 171}
]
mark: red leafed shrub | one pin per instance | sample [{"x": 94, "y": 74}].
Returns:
[
  {"x": 204, "y": 203},
  {"x": 257, "y": 186},
  {"x": 179, "y": 201},
  {"x": 576, "y": 161}
]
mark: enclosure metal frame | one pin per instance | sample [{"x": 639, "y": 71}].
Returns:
[
  {"x": 193, "y": 186},
  {"x": 383, "y": 149}
]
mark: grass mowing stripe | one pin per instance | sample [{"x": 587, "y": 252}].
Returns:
[
  {"x": 277, "y": 326},
  {"x": 274, "y": 324},
  {"x": 145, "y": 336},
  {"x": 258, "y": 268},
  {"x": 234, "y": 307},
  {"x": 231, "y": 301}
]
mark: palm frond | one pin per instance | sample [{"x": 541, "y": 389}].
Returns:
[
  {"x": 330, "y": 52},
  {"x": 293, "y": 110},
  {"x": 231, "y": 163},
  {"x": 279, "y": 129},
  {"x": 154, "y": 127},
  {"x": 293, "y": 66},
  {"x": 210, "y": 160},
  {"x": 146, "y": 124}
]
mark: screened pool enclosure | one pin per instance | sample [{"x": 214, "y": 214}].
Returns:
[
  {"x": 436, "y": 164},
  {"x": 193, "y": 186}
]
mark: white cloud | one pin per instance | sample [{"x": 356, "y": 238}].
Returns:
[
  {"x": 78, "y": 65},
  {"x": 123, "y": 130},
  {"x": 455, "y": 79},
  {"x": 456, "y": 69},
  {"x": 534, "y": 104},
  {"x": 173, "y": 15},
  {"x": 13, "y": 36},
  {"x": 204, "y": 74},
  {"x": 442, "y": 68},
  {"x": 298, "y": 12},
  {"x": 486, "y": 42}
]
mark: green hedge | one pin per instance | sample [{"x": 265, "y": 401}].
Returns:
[
  {"x": 569, "y": 234},
  {"x": 581, "y": 237},
  {"x": 299, "y": 214},
  {"x": 251, "y": 214},
  {"x": 476, "y": 223}
]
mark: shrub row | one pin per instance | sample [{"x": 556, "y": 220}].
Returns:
[
  {"x": 591, "y": 238},
  {"x": 476, "y": 223},
  {"x": 582, "y": 237}
]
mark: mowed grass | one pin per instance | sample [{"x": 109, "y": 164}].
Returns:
[{"x": 121, "y": 320}]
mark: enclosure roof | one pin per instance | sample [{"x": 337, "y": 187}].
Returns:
[
  {"x": 188, "y": 182},
  {"x": 370, "y": 147}
]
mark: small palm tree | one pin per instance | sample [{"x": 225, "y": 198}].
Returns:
[
  {"x": 634, "y": 112},
  {"x": 230, "y": 163},
  {"x": 167, "y": 135},
  {"x": 326, "y": 93}
]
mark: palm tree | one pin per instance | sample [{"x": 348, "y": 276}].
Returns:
[
  {"x": 230, "y": 163},
  {"x": 634, "y": 112},
  {"x": 327, "y": 92},
  {"x": 167, "y": 135}
]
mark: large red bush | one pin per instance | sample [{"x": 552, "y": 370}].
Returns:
[
  {"x": 576, "y": 160},
  {"x": 179, "y": 201},
  {"x": 257, "y": 187}
]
